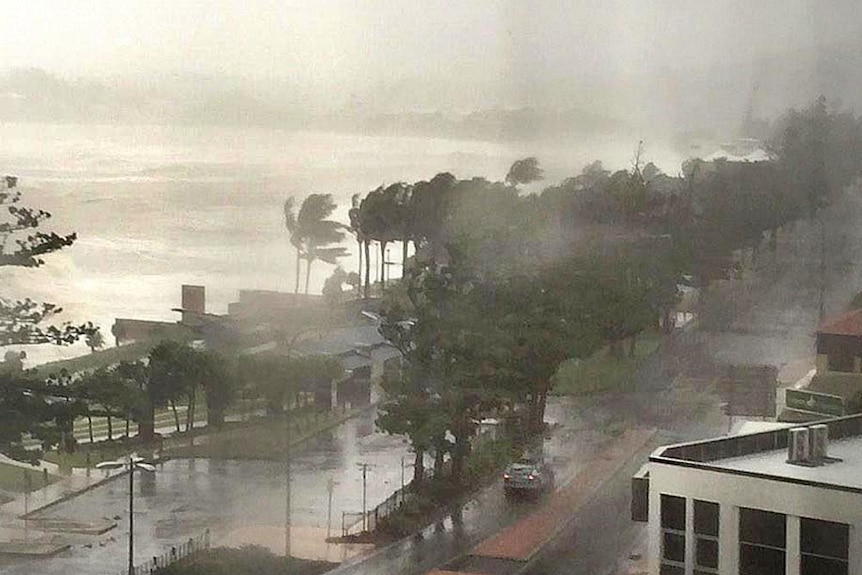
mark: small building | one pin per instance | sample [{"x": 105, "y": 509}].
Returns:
[
  {"x": 839, "y": 344},
  {"x": 782, "y": 501}
]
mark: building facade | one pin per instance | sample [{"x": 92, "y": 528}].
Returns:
[{"x": 743, "y": 505}]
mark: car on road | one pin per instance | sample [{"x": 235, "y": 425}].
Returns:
[{"x": 527, "y": 477}]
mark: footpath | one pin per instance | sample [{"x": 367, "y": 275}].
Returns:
[{"x": 23, "y": 535}]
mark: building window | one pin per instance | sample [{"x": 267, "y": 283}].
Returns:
[
  {"x": 762, "y": 542},
  {"x": 706, "y": 537},
  {"x": 824, "y": 546},
  {"x": 672, "y": 535}
]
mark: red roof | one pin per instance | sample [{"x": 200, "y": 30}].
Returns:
[{"x": 849, "y": 323}]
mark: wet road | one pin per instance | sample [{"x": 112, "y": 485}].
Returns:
[{"x": 231, "y": 498}]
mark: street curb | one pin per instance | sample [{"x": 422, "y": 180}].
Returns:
[{"x": 646, "y": 444}]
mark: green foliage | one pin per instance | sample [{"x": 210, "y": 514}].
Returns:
[
  {"x": 26, "y": 404},
  {"x": 603, "y": 372},
  {"x": 278, "y": 378},
  {"x": 524, "y": 171}
]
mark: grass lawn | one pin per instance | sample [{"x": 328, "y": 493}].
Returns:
[
  {"x": 20, "y": 479},
  {"x": 264, "y": 440},
  {"x": 601, "y": 372}
]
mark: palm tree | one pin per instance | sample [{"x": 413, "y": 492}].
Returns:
[
  {"x": 356, "y": 229},
  {"x": 292, "y": 225},
  {"x": 311, "y": 232}
]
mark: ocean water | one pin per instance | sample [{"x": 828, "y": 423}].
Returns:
[{"x": 157, "y": 206}]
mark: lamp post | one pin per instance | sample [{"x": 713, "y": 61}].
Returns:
[{"x": 133, "y": 464}]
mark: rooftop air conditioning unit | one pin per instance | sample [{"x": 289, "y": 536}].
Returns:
[
  {"x": 798, "y": 446},
  {"x": 819, "y": 442}
]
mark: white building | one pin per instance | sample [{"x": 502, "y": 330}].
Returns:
[{"x": 749, "y": 505}]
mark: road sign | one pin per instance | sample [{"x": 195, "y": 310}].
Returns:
[{"x": 812, "y": 402}]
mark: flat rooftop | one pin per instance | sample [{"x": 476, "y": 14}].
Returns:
[
  {"x": 844, "y": 473},
  {"x": 764, "y": 455}
]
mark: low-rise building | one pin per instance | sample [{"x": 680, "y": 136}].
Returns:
[{"x": 784, "y": 501}]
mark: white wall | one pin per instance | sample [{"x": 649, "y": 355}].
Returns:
[{"x": 734, "y": 491}]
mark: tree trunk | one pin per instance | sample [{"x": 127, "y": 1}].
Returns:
[
  {"x": 383, "y": 266},
  {"x": 190, "y": 413},
  {"x": 176, "y": 415},
  {"x": 307, "y": 275},
  {"x": 359, "y": 270},
  {"x": 367, "y": 267},
  {"x": 90, "y": 426},
  {"x": 459, "y": 454},
  {"x": 110, "y": 429},
  {"x": 215, "y": 416},
  {"x": 147, "y": 424},
  {"x": 633, "y": 345},
  {"x": 405, "y": 243},
  {"x": 298, "y": 270},
  {"x": 419, "y": 468},
  {"x": 128, "y": 423}
]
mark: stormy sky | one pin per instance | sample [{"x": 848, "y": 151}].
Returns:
[{"x": 439, "y": 54}]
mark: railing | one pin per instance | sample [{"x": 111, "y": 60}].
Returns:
[
  {"x": 355, "y": 523},
  {"x": 176, "y": 553}
]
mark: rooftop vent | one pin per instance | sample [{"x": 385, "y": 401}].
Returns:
[
  {"x": 798, "y": 446},
  {"x": 819, "y": 443}
]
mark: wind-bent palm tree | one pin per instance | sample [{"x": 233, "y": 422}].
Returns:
[
  {"x": 292, "y": 225},
  {"x": 311, "y": 232},
  {"x": 356, "y": 229}
]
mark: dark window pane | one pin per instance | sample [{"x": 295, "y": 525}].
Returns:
[
  {"x": 824, "y": 538},
  {"x": 707, "y": 553},
  {"x": 671, "y": 570},
  {"x": 706, "y": 518},
  {"x": 755, "y": 560},
  {"x": 763, "y": 527},
  {"x": 822, "y": 566},
  {"x": 696, "y": 572},
  {"x": 673, "y": 512},
  {"x": 673, "y": 547}
]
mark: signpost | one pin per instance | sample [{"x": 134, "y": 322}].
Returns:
[{"x": 812, "y": 402}]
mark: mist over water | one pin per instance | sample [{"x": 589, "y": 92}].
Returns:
[{"x": 155, "y": 206}]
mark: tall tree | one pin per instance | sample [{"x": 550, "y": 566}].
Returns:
[
  {"x": 23, "y": 405},
  {"x": 312, "y": 233}
]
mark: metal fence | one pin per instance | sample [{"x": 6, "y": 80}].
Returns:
[
  {"x": 177, "y": 552},
  {"x": 354, "y": 523}
]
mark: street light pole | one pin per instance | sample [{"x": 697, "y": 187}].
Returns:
[
  {"x": 364, "y": 467},
  {"x": 131, "y": 517},
  {"x": 134, "y": 463}
]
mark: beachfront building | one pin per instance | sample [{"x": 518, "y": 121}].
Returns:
[{"x": 778, "y": 502}]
